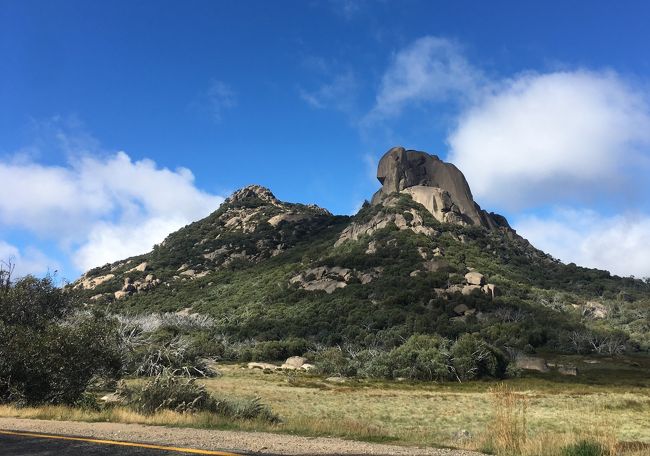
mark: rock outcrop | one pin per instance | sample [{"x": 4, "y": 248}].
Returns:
[
  {"x": 137, "y": 286},
  {"x": 330, "y": 279},
  {"x": 440, "y": 187},
  {"x": 412, "y": 221}
]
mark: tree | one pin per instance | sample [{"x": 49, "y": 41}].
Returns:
[{"x": 50, "y": 350}]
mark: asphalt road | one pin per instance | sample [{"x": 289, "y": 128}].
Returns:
[{"x": 27, "y": 445}]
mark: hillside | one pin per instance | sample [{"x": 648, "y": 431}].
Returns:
[{"x": 422, "y": 257}]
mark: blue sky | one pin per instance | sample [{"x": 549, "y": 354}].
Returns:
[{"x": 121, "y": 121}]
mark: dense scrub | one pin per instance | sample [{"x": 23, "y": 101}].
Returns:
[
  {"x": 258, "y": 313},
  {"x": 421, "y": 357}
]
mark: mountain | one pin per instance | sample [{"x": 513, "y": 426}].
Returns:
[{"x": 421, "y": 257}]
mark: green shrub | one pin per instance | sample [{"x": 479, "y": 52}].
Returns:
[
  {"x": 333, "y": 361},
  {"x": 421, "y": 357},
  {"x": 473, "y": 358},
  {"x": 584, "y": 448},
  {"x": 49, "y": 351}
]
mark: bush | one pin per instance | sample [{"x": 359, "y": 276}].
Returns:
[
  {"x": 584, "y": 448},
  {"x": 473, "y": 358},
  {"x": 49, "y": 351},
  {"x": 421, "y": 357},
  {"x": 146, "y": 357},
  {"x": 183, "y": 395},
  {"x": 332, "y": 361}
]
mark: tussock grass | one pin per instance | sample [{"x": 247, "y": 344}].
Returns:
[{"x": 507, "y": 434}]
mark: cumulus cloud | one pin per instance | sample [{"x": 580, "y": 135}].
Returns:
[
  {"x": 619, "y": 243},
  {"x": 542, "y": 138},
  {"x": 537, "y": 140},
  {"x": 101, "y": 208},
  {"x": 431, "y": 69}
]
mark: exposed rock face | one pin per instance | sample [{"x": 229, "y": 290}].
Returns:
[
  {"x": 138, "y": 286},
  {"x": 438, "y": 186},
  {"x": 254, "y": 191},
  {"x": 330, "y": 279},
  {"x": 90, "y": 283},
  {"x": 381, "y": 220}
]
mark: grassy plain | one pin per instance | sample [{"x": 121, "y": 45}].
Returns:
[{"x": 538, "y": 414}]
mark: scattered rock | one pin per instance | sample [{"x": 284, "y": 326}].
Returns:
[
  {"x": 139, "y": 268},
  {"x": 372, "y": 248},
  {"x": 294, "y": 362},
  {"x": 112, "y": 398},
  {"x": 288, "y": 217},
  {"x": 490, "y": 289},
  {"x": 336, "y": 379},
  {"x": 468, "y": 289},
  {"x": 475, "y": 278},
  {"x": 262, "y": 366},
  {"x": 531, "y": 363},
  {"x": 121, "y": 294}
]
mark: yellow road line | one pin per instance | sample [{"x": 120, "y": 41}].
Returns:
[{"x": 115, "y": 442}]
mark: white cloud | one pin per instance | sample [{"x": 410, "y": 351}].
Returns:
[
  {"x": 430, "y": 69},
  {"x": 550, "y": 137},
  {"x": 101, "y": 209},
  {"x": 107, "y": 242},
  {"x": 28, "y": 261},
  {"x": 619, "y": 243},
  {"x": 534, "y": 140}
]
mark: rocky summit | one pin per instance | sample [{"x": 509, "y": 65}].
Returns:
[
  {"x": 420, "y": 257},
  {"x": 440, "y": 187}
]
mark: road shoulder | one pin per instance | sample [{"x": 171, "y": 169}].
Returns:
[{"x": 253, "y": 442}]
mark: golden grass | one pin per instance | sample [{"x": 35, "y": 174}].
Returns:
[
  {"x": 523, "y": 417},
  {"x": 507, "y": 432}
]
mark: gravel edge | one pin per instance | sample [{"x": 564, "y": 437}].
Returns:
[{"x": 251, "y": 442}]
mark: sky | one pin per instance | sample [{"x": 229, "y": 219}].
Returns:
[{"x": 122, "y": 121}]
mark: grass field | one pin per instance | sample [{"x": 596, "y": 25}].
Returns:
[{"x": 608, "y": 402}]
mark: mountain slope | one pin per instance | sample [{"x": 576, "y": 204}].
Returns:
[{"x": 404, "y": 264}]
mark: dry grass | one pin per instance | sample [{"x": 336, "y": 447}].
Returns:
[
  {"x": 524, "y": 417},
  {"x": 432, "y": 414},
  {"x": 507, "y": 432}
]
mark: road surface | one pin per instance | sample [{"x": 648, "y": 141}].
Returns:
[{"x": 15, "y": 443}]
